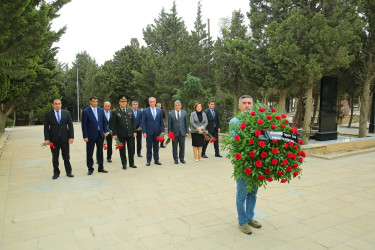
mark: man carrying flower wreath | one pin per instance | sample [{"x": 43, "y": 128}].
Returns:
[{"x": 245, "y": 201}]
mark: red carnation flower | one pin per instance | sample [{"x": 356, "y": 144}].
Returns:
[
  {"x": 277, "y": 117},
  {"x": 285, "y": 161},
  {"x": 273, "y": 126},
  {"x": 288, "y": 168},
  {"x": 290, "y": 143},
  {"x": 252, "y": 113},
  {"x": 213, "y": 140},
  {"x": 282, "y": 125},
  {"x": 269, "y": 117},
  {"x": 300, "y": 142},
  {"x": 274, "y": 141},
  {"x": 265, "y": 129},
  {"x": 300, "y": 159},
  {"x": 237, "y": 138},
  {"x": 273, "y": 110},
  {"x": 263, "y": 155},
  {"x": 261, "y": 144},
  {"x": 280, "y": 173},
  {"x": 289, "y": 155},
  {"x": 258, "y": 163},
  {"x": 303, "y": 154},
  {"x": 285, "y": 145},
  {"x": 260, "y": 122},
  {"x": 283, "y": 181},
  {"x": 251, "y": 142},
  {"x": 295, "y": 174},
  {"x": 294, "y": 156},
  {"x": 171, "y": 135},
  {"x": 261, "y": 177},
  {"x": 274, "y": 161},
  {"x": 293, "y": 130},
  {"x": 275, "y": 151},
  {"x": 295, "y": 146},
  {"x": 262, "y": 109},
  {"x": 299, "y": 153},
  {"x": 252, "y": 154},
  {"x": 248, "y": 171},
  {"x": 270, "y": 179},
  {"x": 295, "y": 165},
  {"x": 207, "y": 138},
  {"x": 243, "y": 126},
  {"x": 283, "y": 116},
  {"x": 51, "y": 145},
  {"x": 267, "y": 171},
  {"x": 257, "y": 132},
  {"x": 238, "y": 156}
]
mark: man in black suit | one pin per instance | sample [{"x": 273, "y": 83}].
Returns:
[
  {"x": 108, "y": 116},
  {"x": 213, "y": 128},
  {"x": 179, "y": 125},
  {"x": 58, "y": 129},
  {"x": 138, "y": 121},
  {"x": 94, "y": 129},
  {"x": 123, "y": 128},
  {"x": 158, "y": 105}
]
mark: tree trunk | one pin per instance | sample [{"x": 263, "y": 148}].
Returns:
[
  {"x": 308, "y": 113},
  {"x": 297, "y": 121},
  {"x": 4, "y": 113},
  {"x": 365, "y": 99},
  {"x": 351, "y": 103},
  {"x": 235, "y": 104},
  {"x": 282, "y": 100}
]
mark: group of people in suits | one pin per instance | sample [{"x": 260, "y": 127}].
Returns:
[{"x": 127, "y": 126}]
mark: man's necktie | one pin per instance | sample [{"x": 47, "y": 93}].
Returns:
[
  {"x": 153, "y": 113},
  {"x": 58, "y": 116},
  {"x": 135, "y": 113},
  {"x": 96, "y": 114},
  {"x": 107, "y": 115},
  {"x": 178, "y": 115},
  {"x": 213, "y": 113}
]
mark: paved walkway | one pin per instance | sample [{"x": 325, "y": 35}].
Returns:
[{"x": 188, "y": 206}]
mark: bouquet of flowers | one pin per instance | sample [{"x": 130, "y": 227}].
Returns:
[
  {"x": 105, "y": 147},
  {"x": 50, "y": 145},
  {"x": 207, "y": 137},
  {"x": 119, "y": 144},
  {"x": 170, "y": 137},
  {"x": 263, "y": 147}
]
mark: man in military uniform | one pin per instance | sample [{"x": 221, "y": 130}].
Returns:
[{"x": 124, "y": 128}]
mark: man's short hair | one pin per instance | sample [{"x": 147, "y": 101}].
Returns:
[
  {"x": 243, "y": 97},
  {"x": 158, "y": 103},
  {"x": 53, "y": 100},
  {"x": 211, "y": 101},
  {"x": 152, "y": 98},
  {"x": 133, "y": 102},
  {"x": 177, "y": 101},
  {"x": 107, "y": 102},
  {"x": 93, "y": 98}
]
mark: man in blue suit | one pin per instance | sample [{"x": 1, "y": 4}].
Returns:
[
  {"x": 152, "y": 126},
  {"x": 94, "y": 129},
  {"x": 138, "y": 121},
  {"x": 108, "y": 116}
]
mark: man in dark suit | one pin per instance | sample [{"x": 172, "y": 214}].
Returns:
[
  {"x": 94, "y": 129},
  {"x": 138, "y": 121},
  {"x": 213, "y": 128},
  {"x": 179, "y": 125},
  {"x": 123, "y": 128},
  {"x": 58, "y": 129},
  {"x": 158, "y": 105},
  {"x": 108, "y": 116},
  {"x": 152, "y": 126}
]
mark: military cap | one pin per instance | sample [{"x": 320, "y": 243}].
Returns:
[{"x": 123, "y": 98}]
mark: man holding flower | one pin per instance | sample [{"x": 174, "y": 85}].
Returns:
[{"x": 245, "y": 201}]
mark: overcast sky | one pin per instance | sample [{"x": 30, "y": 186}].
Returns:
[{"x": 102, "y": 27}]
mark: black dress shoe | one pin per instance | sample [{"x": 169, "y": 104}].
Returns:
[
  {"x": 147, "y": 164},
  {"x": 90, "y": 172},
  {"x": 204, "y": 156},
  {"x": 55, "y": 176},
  {"x": 133, "y": 166},
  {"x": 163, "y": 146},
  {"x": 109, "y": 160},
  {"x": 103, "y": 171},
  {"x": 157, "y": 162},
  {"x": 218, "y": 155},
  {"x": 175, "y": 161},
  {"x": 140, "y": 155},
  {"x": 124, "y": 167},
  {"x": 70, "y": 175},
  {"x": 183, "y": 161}
]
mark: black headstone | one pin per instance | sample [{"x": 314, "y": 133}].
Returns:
[
  {"x": 328, "y": 109},
  {"x": 372, "y": 119}
]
